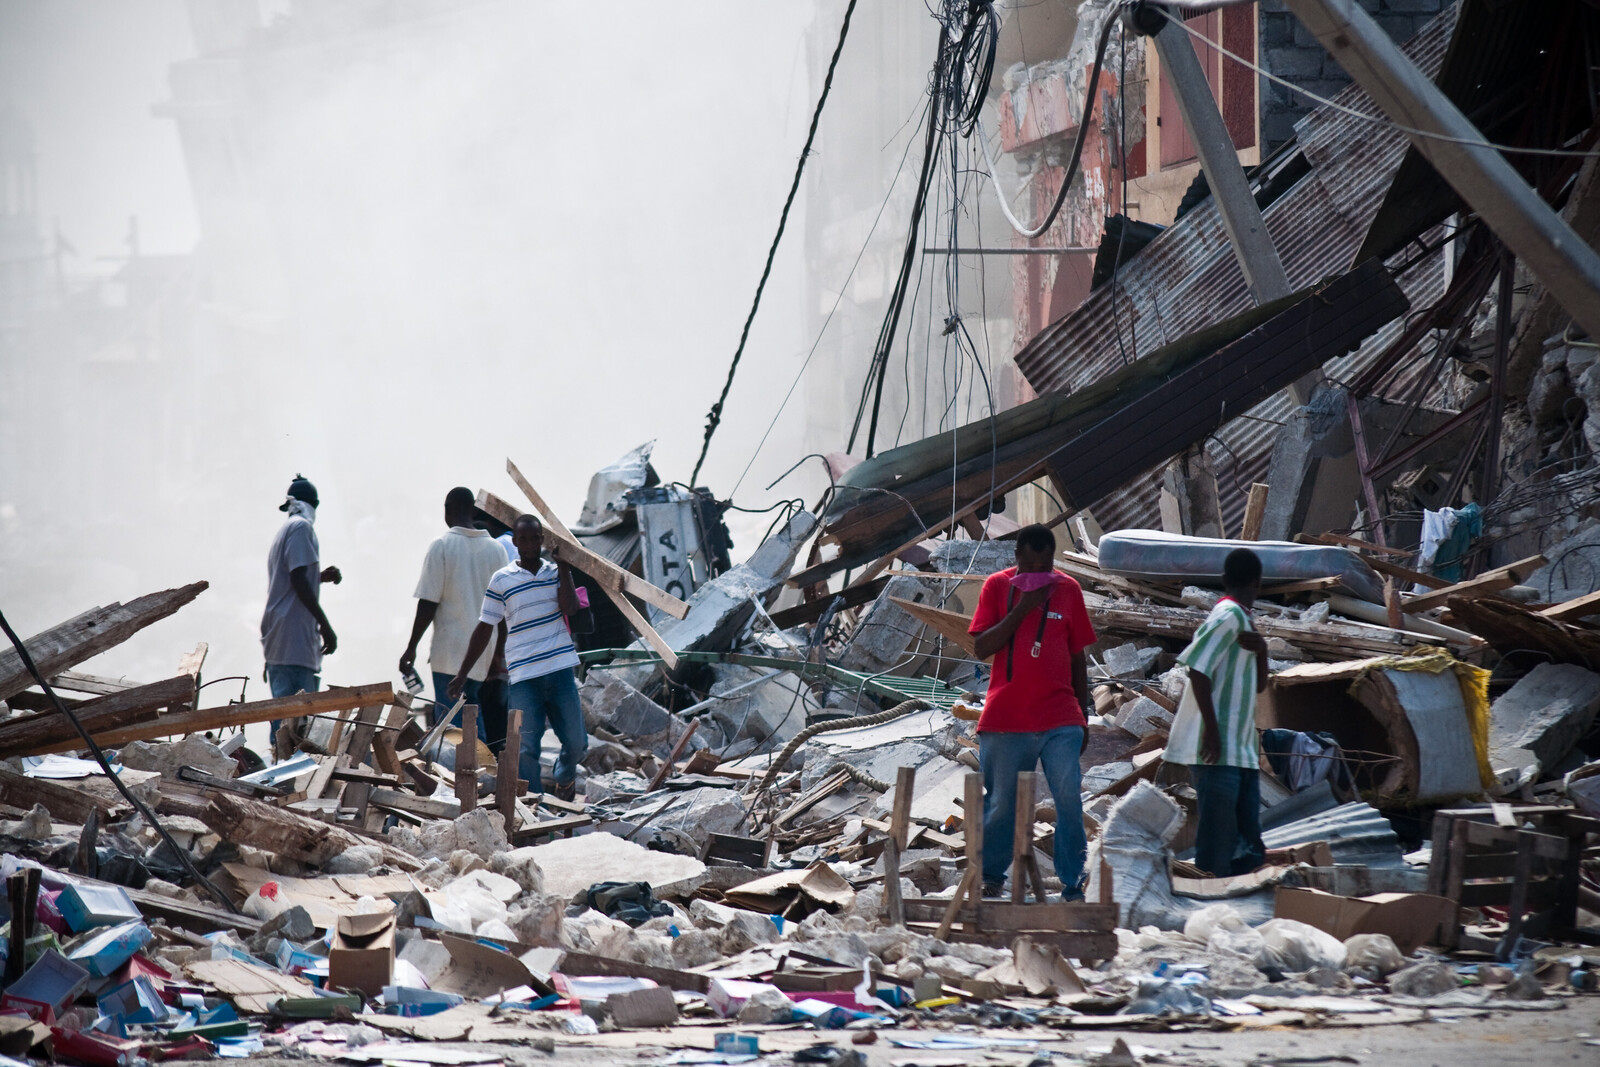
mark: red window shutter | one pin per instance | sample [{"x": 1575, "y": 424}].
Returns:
[{"x": 1176, "y": 145}]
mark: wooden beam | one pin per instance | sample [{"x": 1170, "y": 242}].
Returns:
[
  {"x": 1574, "y": 609},
  {"x": 1406, "y": 574},
  {"x": 811, "y": 611},
  {"x": 202, "y": 719},
  {"x": 499, "y": 508},
  {"x": 1255, "y": 509},
  {"x": 1447, "y": 139},
  {"x": 1351, "y": 542},
  {"x": 602, "y": 570},
  {"x": 88, "y": 635},
  {"x": 290, "y": 834},
  {"x": 97, "y": 684},
  {"x": 64, "y": 803},
  {"x": 48, "y": 730},
  {"x": 1483, "y": 585}
]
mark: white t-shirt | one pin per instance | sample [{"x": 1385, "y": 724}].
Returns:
[
  {"x": 455, "y": 574},
  {"x": 537, "y": 639}
]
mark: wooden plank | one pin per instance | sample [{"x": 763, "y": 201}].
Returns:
[
  {"x": 1488, "y": 582},
  {"x": 297, "y": 837},
  {"x": 202, "y": 719},
  {"x": 467, "y": 759},
  {"x": 971, "y": 887},
  {"x": 580, "y": 963},
  {"x": 1546, "y": 845},
  {"x": 1022, "y": 838},
  {"x": 1574, "y": 609},
  {"x": 547, "y": 827},
  {"x": 1406, "y": 574},
  {"x": 97, "y": 684},
  {"x": 50, "y": 731},
  {"x": 952, "y": 625},
  {"x": 672, "y": 757},
  {"x": 1352, "y": 542},
  {"x": 507, "y": 785},
  {"x": 811, "y": 611},
  {"x": 1000, "y": 917},
  {"x": 191, "y": 662},
  {"x": 84, "y": 636},
  {"x": 64, "y": 803},
  {"x": 388, "y": 797},
  {"x": 899, "y": 823},
  {"x": 500, "y": 509},
  {"x": 1255, "y": 510},
  {"x": 1082, "y": 945},
  {"x": 357, "y": 750},
  {"x": 602, "y": 570}
]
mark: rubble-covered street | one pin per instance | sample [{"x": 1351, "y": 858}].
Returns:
[{"x": 1266, "y": 554}]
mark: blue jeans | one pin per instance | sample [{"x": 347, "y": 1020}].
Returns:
[
  {"x": 441, "y": 684},
  {"x": 1001, "y": 757},
  {"x": 1228, "y": 834},
  {"x": 285, "y": 680},
  {"x": 550, "y": 698}
]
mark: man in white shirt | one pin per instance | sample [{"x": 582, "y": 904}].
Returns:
[
  {"x": 534, "y": 598},
  {"x": 455, "y": 574}
]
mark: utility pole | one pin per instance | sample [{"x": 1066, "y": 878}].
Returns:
[
  {"x": 1569, "y": 269},
  {"x": 1247, "y": 232}
]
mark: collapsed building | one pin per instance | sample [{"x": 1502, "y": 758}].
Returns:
[{"x": 774, "y": 829}]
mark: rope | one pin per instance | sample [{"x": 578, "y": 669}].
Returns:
[
  {"x": 714, "y": 417},
  {"x": 859, "y": 775},
  {"x": 898, "y": 711}
]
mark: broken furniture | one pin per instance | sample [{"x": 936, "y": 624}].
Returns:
[
  {"x": 1078, "y": 931},
  {"x": 1524, "y": 858}
]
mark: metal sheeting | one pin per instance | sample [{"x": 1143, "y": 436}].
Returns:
[
  {"x": 1355, "y": 833},
  {"x": 1187, "y": 279}
]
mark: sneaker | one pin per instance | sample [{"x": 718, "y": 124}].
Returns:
[
  {"x": 1075, "y": 897},
  {"x": 993, "y": 890},
  {"x": 564, "y": 790}
]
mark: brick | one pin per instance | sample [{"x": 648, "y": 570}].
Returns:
[{"x": 1295, "y": 62}]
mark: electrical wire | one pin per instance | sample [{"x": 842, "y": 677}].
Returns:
[
  {"x": 1031, "y": 232},
  {"x": 105, "y": 766},
  {"x": 714, "y": 417}
]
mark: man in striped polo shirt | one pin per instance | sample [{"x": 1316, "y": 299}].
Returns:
[
  {"x": 532, "y": 599},
  {"x": 1215, "y": 729}
]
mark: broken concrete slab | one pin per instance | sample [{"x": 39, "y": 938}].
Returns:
[
  {"x": 1143, "y": 717},
  {"x": 880, "y": 641},
  {"x": 571, "y": 865},
  {"x": 774, "y": 710},
  {"x": 719, "y": 610},
  {"x": 973, "y": 557},
  {"x": 1545, "y": 714},
  {"x": 692, "y": 815},
  {"x": 165, "y": 758}
]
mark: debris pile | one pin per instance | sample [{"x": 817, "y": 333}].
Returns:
[{"x": 773, "y": 832}]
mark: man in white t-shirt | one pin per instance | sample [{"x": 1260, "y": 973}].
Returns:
[
  {"x": 533, "y": 598},
  {"x": 455, "y": 574}
]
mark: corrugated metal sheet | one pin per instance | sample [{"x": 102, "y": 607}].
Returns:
[
  {"x": 1355, "y": 833},
  {"x": 1188, "y": 279}
]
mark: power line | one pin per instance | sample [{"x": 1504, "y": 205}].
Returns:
[{"x": 714, "y": 417}]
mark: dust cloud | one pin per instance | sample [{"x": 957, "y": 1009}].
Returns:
[{"x": 385, "y": 245}]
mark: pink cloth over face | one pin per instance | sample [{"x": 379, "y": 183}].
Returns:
[{"x": 1028, "y": 581}]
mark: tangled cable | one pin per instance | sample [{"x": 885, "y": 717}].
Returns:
[{"x": 896, "y": 712}]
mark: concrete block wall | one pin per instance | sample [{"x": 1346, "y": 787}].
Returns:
[{"x": 1289, "y": 50}]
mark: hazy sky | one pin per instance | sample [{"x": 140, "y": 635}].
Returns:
[{"x": 535, "y": 237}]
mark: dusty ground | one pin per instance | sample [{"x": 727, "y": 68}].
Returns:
[{"x": 1567, "y": 1036}]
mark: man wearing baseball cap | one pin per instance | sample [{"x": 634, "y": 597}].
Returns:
[{"x": 295, "y": 634}]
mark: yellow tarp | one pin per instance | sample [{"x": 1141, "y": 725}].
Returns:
[{"x": 1474, "y": 683}]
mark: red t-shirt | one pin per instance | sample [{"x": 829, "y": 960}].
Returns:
[{"x": 1038, "y": 696}]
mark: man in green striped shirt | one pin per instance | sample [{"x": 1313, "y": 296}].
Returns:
[{"x": 1215, "y": 729}]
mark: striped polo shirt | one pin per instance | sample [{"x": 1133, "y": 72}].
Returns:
[
  {"x": 537, "y": 639},
  {"x": 1215, "y": 653}
]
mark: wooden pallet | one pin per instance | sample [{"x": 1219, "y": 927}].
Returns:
[{"x": 1492, "y": 857}]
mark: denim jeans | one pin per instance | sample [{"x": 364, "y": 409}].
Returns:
[
  {"x": 492, "y": 711},
  {"x": 470, "y": 691},
  {"x": 1001, "y": 757},
  {"x": 285, "y": 680},
  {"x": 1228, "y": 835},
  {"x": 550, "y": 698}
]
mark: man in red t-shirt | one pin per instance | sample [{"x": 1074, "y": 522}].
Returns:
[{"x": 1031, "y": 619}]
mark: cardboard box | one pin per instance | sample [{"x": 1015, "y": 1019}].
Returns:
[
  {"x": 1412, "y": 919},
  {"x": 362, "y": 954},
  {"x": 86, "y": 906}
]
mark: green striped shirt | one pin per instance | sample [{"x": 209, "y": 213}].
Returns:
[{"x": 1215, "y": 653}]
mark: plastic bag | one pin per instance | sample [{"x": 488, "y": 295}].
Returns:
[
  {"x": 1372, "y": 956},
  {"x": 1292, "y": 946},
  {"x": 1221, "y": 929}
]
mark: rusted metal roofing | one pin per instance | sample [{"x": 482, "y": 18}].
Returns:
[{"x": 1187, "y": 279}]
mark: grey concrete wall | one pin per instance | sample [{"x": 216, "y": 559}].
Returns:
[{"x": 1290, "y": 51}]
